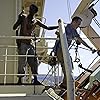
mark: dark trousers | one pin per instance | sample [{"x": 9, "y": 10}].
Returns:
[
  {"x": 27, "y": 49},
  {"x": 61, "y": 61}
]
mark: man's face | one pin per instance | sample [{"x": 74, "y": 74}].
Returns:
[
  {"x": 32, "y": 11},
  {"x": 77, "y": 23}
]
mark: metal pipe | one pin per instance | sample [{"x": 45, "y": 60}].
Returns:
[
  {"x": 26, "y": 37},
  {"x": 67, "y": 62},
  {"x": 5, "y": 65},
  {"x": 38, "y": 47},
  {"x": 16, "y": 74}
]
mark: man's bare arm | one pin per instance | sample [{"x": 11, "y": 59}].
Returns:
[
  {"x": 17, "y": 23},
  {"x": 83, "y": 42},
  {"x": 44, "y": 26}
]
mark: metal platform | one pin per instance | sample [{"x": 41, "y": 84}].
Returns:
[
  {"x": 26, "y": 89},
  {"x": 23, "y": 92},
  {"x": 35, "y": 97}
]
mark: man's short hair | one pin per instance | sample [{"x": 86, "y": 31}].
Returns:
[
  {"x": 34, "y": 8},
  {"x": 76, "y": 18}
]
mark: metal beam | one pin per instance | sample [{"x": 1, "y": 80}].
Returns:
[
  {"x": 92, "y": 36},
  {"x": 83, "y": 5}
]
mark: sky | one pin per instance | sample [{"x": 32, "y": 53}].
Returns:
[{"x": 64, "y": 9}]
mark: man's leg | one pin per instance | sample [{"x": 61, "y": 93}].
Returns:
[
  {"x": 61, "y": 61},
  {"x": 64, "y": 82},
  {"x": 21, "y": 65},
  {"x": 33, "y": 63},
  {"x": 21, "y": 62}
]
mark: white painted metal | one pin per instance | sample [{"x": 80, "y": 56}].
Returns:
[
  {"x": 5, "y": 67},
  {"x": 87, "y": 17},
  {"x": 67, "y": 62},
  {"x": 19, "y": 89},
  {"x": 34, "y": 97}
]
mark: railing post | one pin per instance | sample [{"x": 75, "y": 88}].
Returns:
[
  {"x": 5, "y": 65},
  {"x": 67, "y": 62}
]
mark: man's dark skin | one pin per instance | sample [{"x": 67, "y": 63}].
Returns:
[
  {"x": 27, "y": 25},
  {"x": 32, "y": 12}
]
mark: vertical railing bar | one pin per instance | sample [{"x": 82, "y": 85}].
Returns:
[{"x": 5, "y": 66}]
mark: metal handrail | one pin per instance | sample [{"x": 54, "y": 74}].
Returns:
[
  {"x": 38, "y": 47},
  {"x": 14, "y": 46},
  {"x": 27, "y": 37}
]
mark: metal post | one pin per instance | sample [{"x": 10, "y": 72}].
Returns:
[
  {"x": 67, "y": 62},
  {"x": 5, "y": 63}
]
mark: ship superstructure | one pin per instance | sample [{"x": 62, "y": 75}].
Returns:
[{"x": 87, "y": 84}]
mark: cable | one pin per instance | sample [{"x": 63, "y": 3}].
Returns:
[
  {"x": 93, "y": 61},
  {"x": 71, "y": 46},
  {"x": 84, "y": 48},
  {"x": 86, "y": 69},
  {"x": 96, "y": 2},
  {"x": 96, "y": 21},
  {"x": 76, "y": 57},
  {"x": 48, "y": 73}
]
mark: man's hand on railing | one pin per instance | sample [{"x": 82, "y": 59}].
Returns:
[{"x": 93, "y": 50}]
